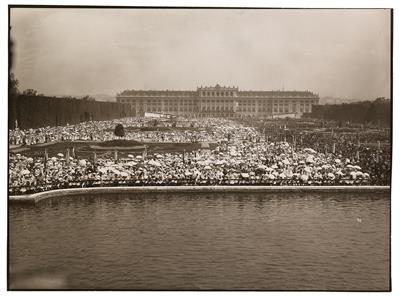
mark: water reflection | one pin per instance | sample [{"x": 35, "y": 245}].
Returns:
[
  {"x": 265, "y": 241},
  {"x": 39, "y": 279}
]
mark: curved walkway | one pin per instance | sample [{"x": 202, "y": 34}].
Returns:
[{"x": 34, "y": 198}]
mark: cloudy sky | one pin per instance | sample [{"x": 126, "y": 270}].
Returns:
[{"x": 340, "y": 53}]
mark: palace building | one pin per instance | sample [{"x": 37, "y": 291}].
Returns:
[{"x": 219, "y": 101}]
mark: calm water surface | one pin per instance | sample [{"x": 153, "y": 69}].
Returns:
[{"x": 207, "y": 241}]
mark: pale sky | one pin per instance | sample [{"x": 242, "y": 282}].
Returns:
[{"x": 341, "y": 53}]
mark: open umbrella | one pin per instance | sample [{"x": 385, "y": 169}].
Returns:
[
  {"x": 25, "y": 172},
  {"x": 310, "y": 159},
  {"x": 304, "y": 177},
  {"x": 155, "y": 163},
  {"x": 102, "y": 170},
  {"x": 331, "y": 175},
  {"x": 309, "y": 150},
  {"x": 307, "y": 169},
  {"x": 262, "y": 167}
]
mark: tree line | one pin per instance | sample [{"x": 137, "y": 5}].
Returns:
[{"x": 377, "y": 112}]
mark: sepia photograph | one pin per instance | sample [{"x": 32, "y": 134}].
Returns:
[{"x": 199, "y": 148}]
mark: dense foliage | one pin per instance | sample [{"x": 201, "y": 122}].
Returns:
[
  {"x": 119, "y": 130},
  {"x": 376, "y": 112},
  {"x": 41, "y": 111}
]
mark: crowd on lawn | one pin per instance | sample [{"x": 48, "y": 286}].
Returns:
[
  {"x": 243, "y": 155},
  {"x": 104, "y": 131}
]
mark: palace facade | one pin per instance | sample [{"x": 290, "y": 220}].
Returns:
[{"x": 219, "y": 101}]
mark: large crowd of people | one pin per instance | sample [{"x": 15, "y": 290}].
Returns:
[
  {"x": 104, "y": 131},
  {"x": 244, "y": 154}
]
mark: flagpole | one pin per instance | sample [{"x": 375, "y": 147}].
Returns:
[
  {"x": 46, "y": 157},
  {"x": 67, "y": 156}
]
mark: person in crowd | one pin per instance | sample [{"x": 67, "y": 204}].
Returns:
[{"x": 265, "y": 153}]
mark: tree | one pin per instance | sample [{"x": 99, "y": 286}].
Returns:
[
  {"x": 119, "y": 131},
  {"x": 381, "y": 100},
  {"x": 13, "y": 85},
  {"x": 88, "y": 98},
  {"x": 30, "y": 92}
]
